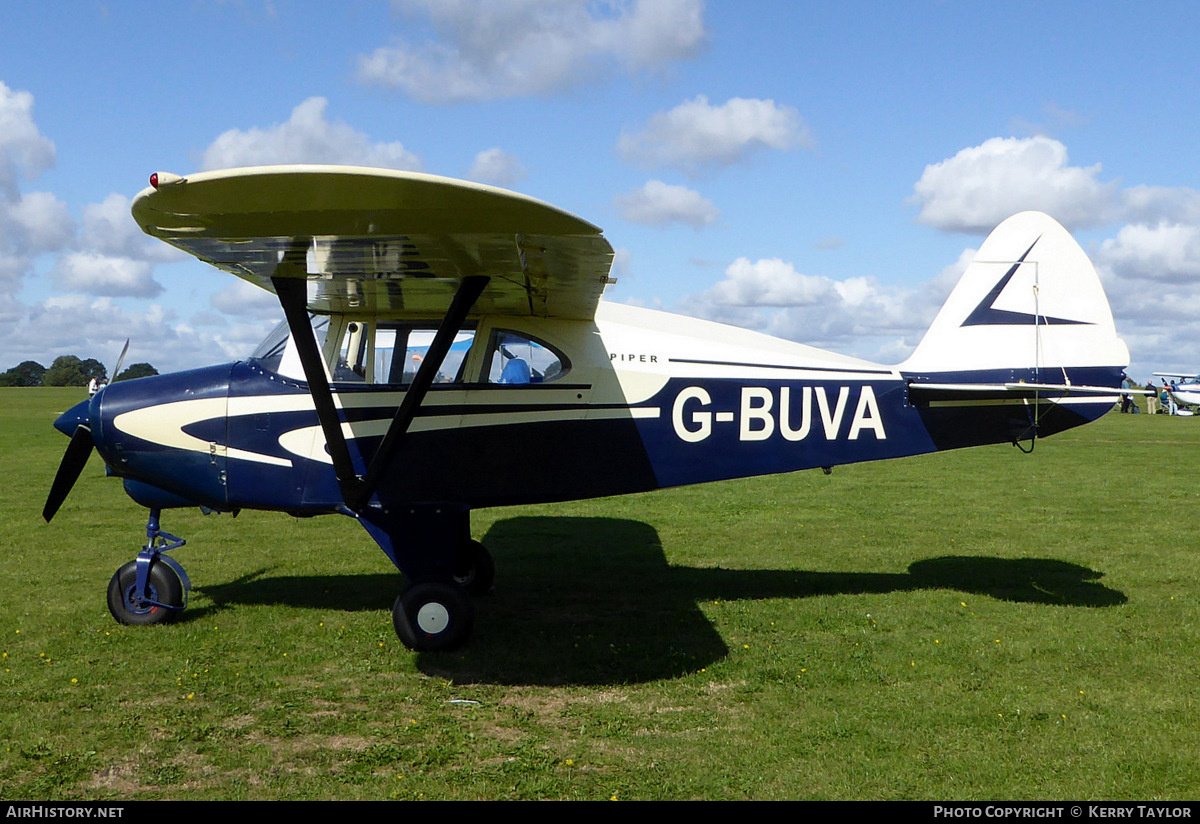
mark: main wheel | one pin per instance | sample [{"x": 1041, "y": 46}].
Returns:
[
  {"x": 162, "y": 586},
  {"x": 474, "y": 569},
  {"x": 433, "y": 616}
]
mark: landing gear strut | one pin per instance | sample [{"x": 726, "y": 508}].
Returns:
[
  {"x": 152, "y": 589},
  {"x": 431, "y": 545}
]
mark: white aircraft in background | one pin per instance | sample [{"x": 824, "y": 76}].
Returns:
[{"x": 1183, "y": 389}]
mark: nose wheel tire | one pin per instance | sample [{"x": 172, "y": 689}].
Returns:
[
  {"x": 433, "y": 616},
  {"x": 162, "y": 587}
]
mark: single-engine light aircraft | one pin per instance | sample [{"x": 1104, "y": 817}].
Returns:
[
  {"x": 1183, "y": 389},
  {"x": 445, "y": 348}
]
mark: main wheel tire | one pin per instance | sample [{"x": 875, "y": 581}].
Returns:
[
  {"x": 474, "y": 569},
  {"x": 162, "y": 586},
  {"x": 433, "y": 616}
]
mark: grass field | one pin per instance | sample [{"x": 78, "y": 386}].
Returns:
[{"x": 979, "y": 624}]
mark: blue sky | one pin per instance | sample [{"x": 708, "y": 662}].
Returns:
[{"x": 820, "y": 171}]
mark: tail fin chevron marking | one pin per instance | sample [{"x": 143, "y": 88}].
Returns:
[{"x": 985, "y": 314}]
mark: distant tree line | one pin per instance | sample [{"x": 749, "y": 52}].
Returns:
[{"x": 68, "y": 370}]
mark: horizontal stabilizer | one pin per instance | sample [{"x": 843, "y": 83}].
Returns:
[{"x": 1020, "y": 389}]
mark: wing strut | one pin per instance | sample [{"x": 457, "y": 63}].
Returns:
[
  {"x": 468, "y": 292},
  {"x": 293, "y": 297}
]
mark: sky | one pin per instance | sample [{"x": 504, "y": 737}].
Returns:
[{"x": 820, "y": 171}]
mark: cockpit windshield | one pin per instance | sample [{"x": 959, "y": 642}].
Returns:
[{"x": 275, "y": 355}]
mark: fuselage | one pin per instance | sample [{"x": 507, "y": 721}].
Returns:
[
  {"x": 634, "y": 401},
  {"x": 1186, "y": 393}
]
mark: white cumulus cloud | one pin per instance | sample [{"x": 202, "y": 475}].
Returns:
[
  {"x": 497, "y": 167},
  {"x": 855, "y": 316},
  {"x": 33, "y": 223},
  {"x": 1155, "y": 204},
  {"x": 981, "y": 186},
  {"x": 515, "y": 48},
  {"x": 244, "y": 299},
  {"x": 24, "y": 151},
  {"x": 659, "y": 204},
  {"x": 1164, "y": 253},
  {"x": 109, "y": 229},
  {"x": 696, "y": 134},
  {"x": 306, "y": 137},
  {"x": 99, "y": 274}
]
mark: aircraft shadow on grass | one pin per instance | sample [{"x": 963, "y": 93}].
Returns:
[{"x": 594, "y": 601}]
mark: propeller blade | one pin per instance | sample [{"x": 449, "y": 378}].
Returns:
[
  {"x": 73, "y": 462},
  {"x": 120, "y": 360}
]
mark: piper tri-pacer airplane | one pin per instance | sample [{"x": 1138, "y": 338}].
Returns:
[{"x": 445, "y": 348}]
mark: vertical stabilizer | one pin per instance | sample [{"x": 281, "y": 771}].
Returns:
[{"x": 1029, "y": 307}]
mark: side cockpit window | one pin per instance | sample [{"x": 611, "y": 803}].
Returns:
[
  {"x": 400, "y": 351},
  {"x": 515, "y": 358},
  {"x": 391, "y": 354}
]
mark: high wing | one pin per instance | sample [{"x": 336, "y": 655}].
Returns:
[{"x": 382, "y": 242}]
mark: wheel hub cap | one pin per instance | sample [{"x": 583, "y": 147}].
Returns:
[{"x": 433, "y": 618}]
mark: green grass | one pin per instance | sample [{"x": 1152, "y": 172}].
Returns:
[{"x": 969, "y": 625}]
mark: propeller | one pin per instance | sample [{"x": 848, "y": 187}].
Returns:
[
  {"x": 78, "y": 450},
  {"x": 73, "y": 462},
  {"x": 120, "y": 360}
]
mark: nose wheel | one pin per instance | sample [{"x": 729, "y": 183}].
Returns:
[
  {"x": 153, "y": 588},
  {"x": 159, "y": 601}
]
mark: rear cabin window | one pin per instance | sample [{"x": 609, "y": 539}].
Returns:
[{"x": 515, "y": 358}]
